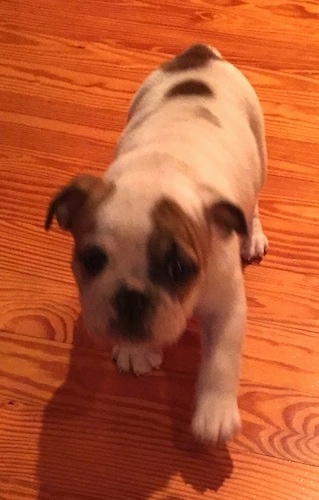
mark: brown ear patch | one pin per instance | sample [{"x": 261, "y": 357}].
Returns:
[
  {"x": 75, "y": 204},
  {"x": 190, "y": 87},
  {"x": 228, "y": 217},
  {"x": 177, "y": 248},
  {"x": 196, "y": 56}
]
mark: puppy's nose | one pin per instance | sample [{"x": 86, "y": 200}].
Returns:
[{"x": 130, "y": 304}]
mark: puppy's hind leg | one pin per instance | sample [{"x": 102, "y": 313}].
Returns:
[{"x": 255, "y": 245}]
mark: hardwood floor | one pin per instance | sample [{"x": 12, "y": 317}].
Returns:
[{"x": 70, "y": 426}]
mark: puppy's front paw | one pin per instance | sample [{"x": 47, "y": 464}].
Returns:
[
  {"x": 216, "y": 418},
  {"x": 139, "y": 358},
  {"x": 254, "y": 246}
]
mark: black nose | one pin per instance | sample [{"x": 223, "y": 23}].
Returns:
[{"x": 130, "y": 304}]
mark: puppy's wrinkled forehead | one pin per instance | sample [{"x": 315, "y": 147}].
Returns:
[{"x": 125, "y": 215}]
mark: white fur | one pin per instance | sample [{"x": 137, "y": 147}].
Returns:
[
  {"x": 138, "y": 358},
  {"x": 166, "y": 150}
]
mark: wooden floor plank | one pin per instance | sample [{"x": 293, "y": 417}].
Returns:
[
  {"x": 44, "y": 393},
  {"x": 278, "y": 421},
  {"x": 70, "y": 425}
]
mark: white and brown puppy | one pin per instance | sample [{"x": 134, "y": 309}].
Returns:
[{"x": 159, "y": 238}]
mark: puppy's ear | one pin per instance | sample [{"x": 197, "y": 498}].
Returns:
[
  {"x": 228, "y": 217},
  {"x": 77, "y": 200}
]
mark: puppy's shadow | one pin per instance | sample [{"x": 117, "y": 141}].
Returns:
[{"x": 107, "y": 435}]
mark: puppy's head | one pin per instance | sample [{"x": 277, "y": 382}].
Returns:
[{"x": 139, "y": 263}]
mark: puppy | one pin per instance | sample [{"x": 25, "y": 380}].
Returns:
[{"x": 159, "y": 238}]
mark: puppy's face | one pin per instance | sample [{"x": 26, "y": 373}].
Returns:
[{"x": 139, "y": 265}]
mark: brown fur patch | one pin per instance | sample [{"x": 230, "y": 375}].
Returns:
[
  {"x": 190, "y": 87},
  {"x": 172, "y": 226},
  {"x": 196, "y": 56},
  {"x": 75, "y": 205},
  {"x": 228, "y": 217},
  {"x": 137, "y": 100},
  {"x": 135, "y": 124},
  {"x": 206, "y": 114}
]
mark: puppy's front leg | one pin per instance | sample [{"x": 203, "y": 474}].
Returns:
[{"x": 216, "y": 416}]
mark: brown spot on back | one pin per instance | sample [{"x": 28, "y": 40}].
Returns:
[
  {"x": 206, "y": 114},
  {"x": 196, "y": 56},
  {"x": 175, "y": 233},
  {"x": 190, "y": 87},
  {"x": 136, "y": 123},
  {"x": 137, "y": 101},
  {"x": 76, "y": 204}
]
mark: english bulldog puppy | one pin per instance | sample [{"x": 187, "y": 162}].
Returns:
[{"x": 160, "y": 237}]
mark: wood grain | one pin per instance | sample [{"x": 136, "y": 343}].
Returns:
[
  {"x": 70, "y": 426},
  {"x": 99, "y": 420}
]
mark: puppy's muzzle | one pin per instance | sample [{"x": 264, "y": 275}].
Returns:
[{"x": 131, "y": 307}]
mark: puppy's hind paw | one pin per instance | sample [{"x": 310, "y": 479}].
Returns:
[{"x": 216, "y": 420}]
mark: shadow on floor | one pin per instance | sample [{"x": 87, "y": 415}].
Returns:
[{"x": 112, "y": 436}]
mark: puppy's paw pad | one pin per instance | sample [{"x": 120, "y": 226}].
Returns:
[
  {"x": 139, "y": 359},
  {"x": 254, "y": 247},
  {"x": 216, "y": 420}
]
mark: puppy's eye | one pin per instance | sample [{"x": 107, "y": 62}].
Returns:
[
  {"x": 93, "y": 259},
  {"x": 180, "y": 270}
]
